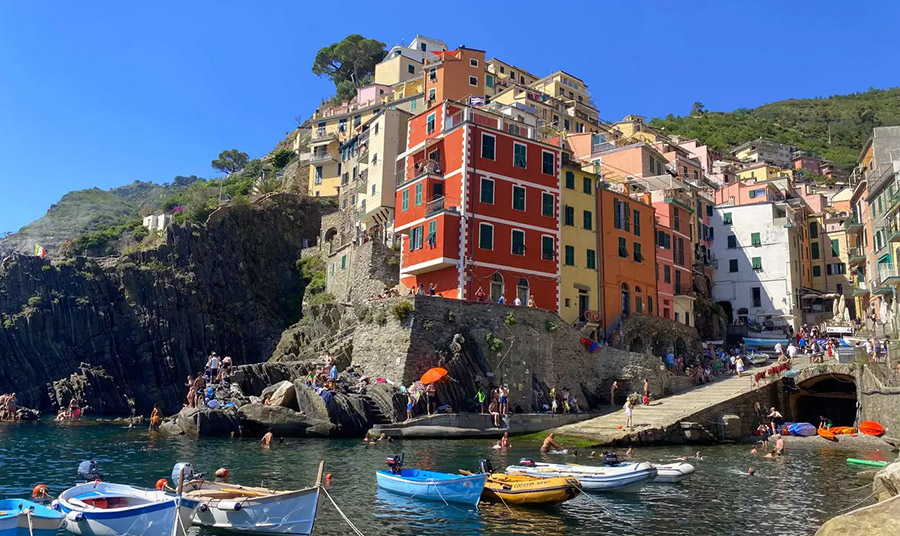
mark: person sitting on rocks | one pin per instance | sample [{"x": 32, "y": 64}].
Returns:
[{"x": 494, "y": 411}]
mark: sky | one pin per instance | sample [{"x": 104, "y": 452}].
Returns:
[{"x": 99, "y": 94}]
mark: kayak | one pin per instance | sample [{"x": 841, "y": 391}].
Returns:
[
  {"x": 827, "y": 434},
  {"x": 802, "y": 429},
  {"x": 857, "y": 461},
  {"x": 523, "y": 489},
  {"x": 842, "y": 430},
  {"x": 621, "y": 478},
  {"x": 871, "y": 428}
]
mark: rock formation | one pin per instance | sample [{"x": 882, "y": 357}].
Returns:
[{"x": 125, "y": 333}]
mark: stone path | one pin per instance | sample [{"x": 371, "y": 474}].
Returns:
[{"x": 668, "y": 411}]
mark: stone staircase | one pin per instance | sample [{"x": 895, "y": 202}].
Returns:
[{"x": 378, "y": 416}]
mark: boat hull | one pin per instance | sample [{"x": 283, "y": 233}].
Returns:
[
  {"x": 673, "y": 473},
  {"x": 164, "y": 516},
  {"x": 430, "y": 486},
  {"x": 292, "y": 512},
  {"x": 626, "y": 478},
  {"x": 14, "y": 519},
  {"x": 521, "y": 489}
]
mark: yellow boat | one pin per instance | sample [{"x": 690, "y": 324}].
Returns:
[{"x": 523, "y": 489}]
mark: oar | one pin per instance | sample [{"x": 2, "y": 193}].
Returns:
[{"x": 178, "y": 491}]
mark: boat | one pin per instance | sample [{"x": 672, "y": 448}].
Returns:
[
  {"x": 526, "y": 490},
  {"x": 871, "y": 428},
  {"x": 620, "y": 478},
  {"x": 19, "y": 517},
  {"x": 107, "y": 509},
  {"x": 673, "y": 472},
  {"x": 803, "y": 429},
  {"x": 826, "y": 434},
  {"x": 842, "y": 430},
  {"x": 873, "y": 463},
  {"x": 430, "y": 485},
  {"x": 250, "y": 509}
]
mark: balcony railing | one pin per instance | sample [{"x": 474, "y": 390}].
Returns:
[
  {"x": 318, "y": 158},
  {"x": 856, "y": 255},
  {"x": 853, "y": 225},
  {"x": 684, "y": 290},
  {"x": 675, "y": 195},
  {"x": 320, "y": 135},
  {"x": 420, "y": 169},
  {"x": 439, "y": 204},
  {"x": 887, "y": 275}
]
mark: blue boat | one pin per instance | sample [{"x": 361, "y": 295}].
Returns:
[
  {"x": 764, "y": 343},
  {"x": 430, "y": 485},
  {"x": 19, "y": 517}
]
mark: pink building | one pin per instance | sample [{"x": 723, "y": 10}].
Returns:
[{"x": 372, "y": 94}]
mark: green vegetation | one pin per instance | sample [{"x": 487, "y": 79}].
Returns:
[
  {"x": 230, "y": 161},
  {"x": 322, "y": 298},
  {"x": 495, "y": 344},
  {"x": 402, "y": 310},
  {"x": 551, "y": 326},
  {"x": 835, "y": 127},
  {"x": 349, "y": 63},
  {"x": 312, "y": 273},
  {"x": 103, "y": 242},
  {"x": 510, "y": 319}
]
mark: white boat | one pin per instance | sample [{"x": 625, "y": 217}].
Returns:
[
  {"x": 673, "y": 472},
  {"x": 619, "y": 478},
  {"x": 106, "y": 509},
  {"x": 19, "y": 517},
  {"x": 250, "y": 509}
]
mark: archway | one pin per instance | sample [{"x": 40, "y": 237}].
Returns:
[
  {"x": 831, "y": 395},
  {"x": 626, "y": 299},
  {"x": 330, "y": 234},
  {"x": 659, "y": 347},
  {"x": 680, "y": 346},
  {"x": 729, "y": 312},
  {"x": 743, "y": 316},
  {"x": 522, "y": 290},
  {"x": 496, "y": 286},
  {"x": 636, "y": 345}
]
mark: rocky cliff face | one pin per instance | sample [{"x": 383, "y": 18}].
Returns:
[{"x": 124, "y": 333}]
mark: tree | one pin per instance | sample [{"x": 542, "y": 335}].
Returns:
[
  {"x": 281, "y": 158},
  {"x": 351, "y": 60},
  {"x": 698, "y": 109},
  {"x": 230, "y": 161}
]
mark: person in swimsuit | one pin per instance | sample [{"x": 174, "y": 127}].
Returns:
[
  {"x": 775, "y": 420},
  {"x": 155, "y": 417},
  {"x": 549, "y": 443},
  {"x": 629, "y": 422},
  {"x": 825, "y": 422},
  {"x": 504, "y": 441},
  {"x": 267, "y": 438},
  {"x": 410, "y": 401},
  {"x": 504, "y": 400}
]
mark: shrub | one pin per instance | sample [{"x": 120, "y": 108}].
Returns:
[
  {"x": 394, "y": 261},
  {"x": 402, "y": 310},
  {"x": 551, "y": 326},
  {"x": 510, "y": 319},
  {"x": 321, "y": 298},
  {"x": 35, "y": 301},
  {"x": 313, "y": 273},
  {"x": 363, "y": 314},
  {"x": 494, "y": 344},
  {"x": 381, "y": 318},
  {"x": 428, "y": 325}
]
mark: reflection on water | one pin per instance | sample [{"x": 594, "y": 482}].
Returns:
[{"x": 790, "y": 495}]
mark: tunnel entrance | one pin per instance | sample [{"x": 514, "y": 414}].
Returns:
[{"x": 833, "y": 396}]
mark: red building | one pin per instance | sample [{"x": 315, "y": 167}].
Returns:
[
  {"x": 477, "y": 207},
  {"x": 665, "y": 267}
]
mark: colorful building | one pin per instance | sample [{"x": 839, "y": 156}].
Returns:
[
  {"x": 762, "y": 150},
  {"x": 478, "y": 207},
  {"x": 404, "y": 62},
  {"x": 454, "y": 75},
  {"x": 580, "y": 274}
]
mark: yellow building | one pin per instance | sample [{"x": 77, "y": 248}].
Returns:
[
  {"x": 634, "y": 128},
  {"x": 328, "y": 129},
  {"x": 501, "y": 76},
  {"x": 762, "y": 172},
  {"x": 579, "y": 274}
]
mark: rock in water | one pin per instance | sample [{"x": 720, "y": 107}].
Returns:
[
  {"x": 887, "y": 482},
  {"x": 205, "y": 422},
  {"x": 284, "y": 394},
  {"x": 880, "y": 519},
  {"x": 258, "y": 418}
]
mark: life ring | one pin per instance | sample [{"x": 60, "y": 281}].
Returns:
[{"x": 161, "y": 484}]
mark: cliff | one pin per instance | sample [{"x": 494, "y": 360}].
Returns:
[{"x": 124, "y": 333}]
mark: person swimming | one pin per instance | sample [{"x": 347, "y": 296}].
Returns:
[
  {"x": 549, "y": 443},
  {"x": 267, "y": 438}
]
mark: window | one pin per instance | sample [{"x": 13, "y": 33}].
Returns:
[
  {"x": 755, "y": 239},
  {"x": 548, "y": 162},
  {"x": 431, "y": 92},
  {"x": 676, "y": 219},
  {"x": 591, "y": 259},
  {"x": 570, "y": 180},
  {"x": 547, "y": 205},
  {"x": 411, "y": 69},
  {"x": 814, "y": 248},
  {"x": 586, "y": 186},
  {"x": 405, "y": 204},
  {"x": 487, "y": 191},
  {"x": 413, "y": 104},
  {"x": 373, "y": 189},
  {"x": 709, "y": 211},
  {"x": 488, "y": 80},
  {"x": 485, "y": 236},
  {"x": 757, "y": 193},
  {"x": 650, "y": 305},
  {"x": 423, "y": 46},
  {"x": 518, "y": 242},
  {"x": 638, "y": 305},
  {"x": 664, "y": 240},
  {"x": 588, "y": 220},
  {"x": 626, "y": 213},
  {"x": 756, "y": 295},
  {"x": 547, "y": 249},
  {"x": 518, "y": 198},
  {"x": 813, "y": 229},
  {"x": 415, "y": 238},
  {"x": 757, "y": 263},
  {"x": 343, "y": 262},
  {"x": 570, "y": 256},
  {"x": 488, "y": 146},
  {"x": 732, "y": 241},
  {"x": 429, "y": 123},
  {"x": 835, "y": 248},
  {"x": 623, "y": 248},
  {"x": 473, "y": 80},
  {"x": 318, "y": 179},
  {"x": 375, "y": 157},
  {"x": 726, "y": 217},
  {"x": 570, "y": 215},
  {"x": 637, "y": 252},
  {"x": 733, "y": 265},
  {"x": 817, "y": 270},
  {"x": 566, "y": 124},
  {"x": 519, "y": 155},
  {"x": 678, "y": 251},
  {"x": 617, "y": 214},
  {"x": 473, "y": 62},
  {"x": 418, "y": 194},
  {"x": 667, "y": 274},
  {"x": 637, "y": 223}
]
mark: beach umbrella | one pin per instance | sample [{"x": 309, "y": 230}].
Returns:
[
  {"x": 846, "y": 315},
  {"x": 836, "y": 308},
  {"x": 433, "y": 375}
]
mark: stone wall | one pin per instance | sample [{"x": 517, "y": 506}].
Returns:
[
  {"x": 356, "y": 270},
  {"x": 657, "y": 336},
  {"x": 878, "y": 402}
]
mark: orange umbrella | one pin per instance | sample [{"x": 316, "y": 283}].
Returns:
[{"x": 433, "y": 375}]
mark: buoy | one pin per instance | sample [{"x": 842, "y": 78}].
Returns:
[
  {"x": 221, "y": 472},
  {"x": 161, "y": 484},
  {"x": 40, "y": 492},
  {"x": 328, "y": 476},
  {"x": 619, "y": 426}
]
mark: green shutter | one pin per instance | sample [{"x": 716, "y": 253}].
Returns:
[
  {"x": 405, "y": 204},
  {"x": 570, "y": 256},
  {"x": 485, "y": 236},
  {"x": 757, "y": 263},
  {"x": 591, "y": 259},
  {"x": 733, "y": 265},
  {"x": 570, "y": 180},
  {"x": 419, "y": 194},
  {"x": 547, "y": 204},
  {"x": 755, "y": 239},
  {"x": 732, "y": 241},
  {"x": 588, "y": 220},
  {"x": 727, "y": 218},
  {"x": 835, "y": 248},
  {"x": 518, "y": 198},
  {"x": 623, "y": 248}
]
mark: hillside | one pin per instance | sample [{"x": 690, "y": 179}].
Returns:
[{"x": 801, "y": 122}]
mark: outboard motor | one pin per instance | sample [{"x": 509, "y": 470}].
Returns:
[
  {"x": 485, "y": 466},
  {"x": 611, "y": 459},
  {"x": 87, "y": 470},
  {"x": 526, "y": 462},
  {"x": 395, "y": 463},
  {"x": 189, "y": 473}
]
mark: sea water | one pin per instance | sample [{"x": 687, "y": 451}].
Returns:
[{"x": 794, "y": 494}]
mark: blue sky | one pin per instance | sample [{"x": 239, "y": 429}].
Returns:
[{"x": 103, "y": 93}]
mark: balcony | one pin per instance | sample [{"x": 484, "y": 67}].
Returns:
[
  {"x": 887, "y": 278},
  {"x": 892, "y": 232},
  {"x": 321, "y": 157},
  {"x": 853, "y": 225},
  {"x": 319, "y": 136},
  {"x": 679, "y": 197},
  {"x": 440, "y": 204},
  {"x": 684, "y": 291},
  {"x": 860, "y": 288},
  {"x": 857, "y": 255},
  {"x": 362, "y": 152},
  {"x": 422, "y": 168}
]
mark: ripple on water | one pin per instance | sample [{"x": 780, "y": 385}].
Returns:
[{"x": 790, "y": 495}]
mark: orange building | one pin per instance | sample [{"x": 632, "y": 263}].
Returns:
[
  {"x": 454, "y": 75},
  {"x": 628, "y": 259}
]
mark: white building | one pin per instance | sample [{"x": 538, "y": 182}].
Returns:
[
  {"x": 157, "y": 222},
  {"x": 761, "y": 150},
  {"x": 757, "y": 248},
  {"x": 404, "y": 62}
]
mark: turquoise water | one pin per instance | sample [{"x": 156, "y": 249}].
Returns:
[{"x": 790, "y": 495}]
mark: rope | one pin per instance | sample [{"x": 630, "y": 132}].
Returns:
[
  {"x": 857, "y": 504},
  {"x": 441, "y": 495},
  {"x": 30, "y": 525},
  {"x": 600, "y": 505},
  {"x": 341, "y": 512}
]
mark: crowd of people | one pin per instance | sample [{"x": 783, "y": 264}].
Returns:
[
  {"x": 72, "y": 412},
  {"x": 9, "y": 404},
  {"x": 201, "y": 391}
]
